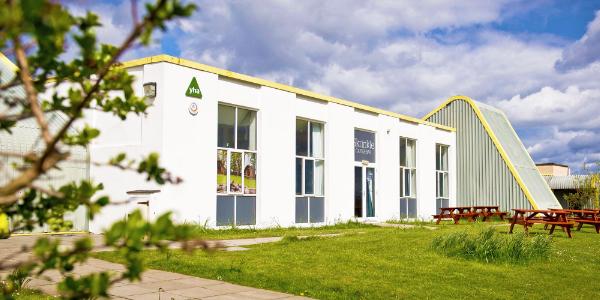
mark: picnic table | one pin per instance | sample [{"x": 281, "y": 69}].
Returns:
[
  {"x": 585, "y": 216},
  {"x": 468, "y": 212},
  {"x": 487, "y": 211},
  {"x": 528, "y": 217}
]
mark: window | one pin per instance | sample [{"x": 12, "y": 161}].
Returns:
[
  {"x": 310, "y": 171},
  {"x": 442, "y": 185},
  {"x": 408, "y": 178},
  {"x": 236, "y": 166}
]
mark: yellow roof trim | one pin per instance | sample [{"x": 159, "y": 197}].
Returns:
[
  {"x": 492, "y": 135},
  {"x": 275, "y": 85},
  {"x": 9, "y": 63}
]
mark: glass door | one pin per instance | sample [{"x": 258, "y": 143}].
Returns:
[
  {"x": 364, "y": 192},
  {"x": 358, "y": 192},
  {"x": 370, "y": 191}
]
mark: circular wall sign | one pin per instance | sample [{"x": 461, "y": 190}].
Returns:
[{"x": 193, "y": 109}]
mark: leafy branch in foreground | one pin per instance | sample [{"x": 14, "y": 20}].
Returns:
[{"x": 37, "y": 33}]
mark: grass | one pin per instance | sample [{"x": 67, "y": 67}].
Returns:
[
  {"x": 392, "y": 263},
  {"x": 28, "y": 294},
  {"x": 239, "y": 233},
  {"x": 486, "y": 244}
]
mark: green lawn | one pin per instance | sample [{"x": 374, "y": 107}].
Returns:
[
  {"x": 391, "y": 263},
  {"x": 27, "y": 294},
  {"x": 237, "y": 233}
]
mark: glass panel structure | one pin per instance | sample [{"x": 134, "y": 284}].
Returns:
[
  {"x": 236, "y": 166},
  {"x": 442, "y": 184},
  {"x": 246, "y": 129},
  {"x": 226, "y": 127},
  {"x": 310, "y": 171}
]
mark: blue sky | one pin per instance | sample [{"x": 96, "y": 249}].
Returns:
[{"x": 537, "y": 60}]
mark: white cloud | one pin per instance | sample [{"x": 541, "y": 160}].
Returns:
[
  {"x": 404, "y": 56},
  {"x": 583, "y": 52},
  {"x": 571, "y": 108},
  {"x": 117, "y": 23}
]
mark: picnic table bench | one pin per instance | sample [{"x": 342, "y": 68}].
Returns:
[
  {"x": 528, "y": 217},
  {"x": 471, "y": 213},
  {"x": 487, "y": 211},
  {"x": 585, "y": 216}
]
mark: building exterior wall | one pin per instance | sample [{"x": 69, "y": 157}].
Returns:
[
  {"x": 484, "y": 174},
  {"x": 188, "y": 148},
  {"x": 554, "y": 170},
  {"x": 483, "y": 177},
  {"x": 25, "y": 138}
]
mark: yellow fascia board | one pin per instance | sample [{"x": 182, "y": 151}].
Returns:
[
  {"x": 494, "y": 138},
  {"x": 7, "y": 62},
  {"x": 275, "y": 85}
]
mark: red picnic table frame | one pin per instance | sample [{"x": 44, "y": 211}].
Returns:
[
  {"x": 585, "y": 216},
  {"x": 456, "y": 213},
  {"x": 469, "y": 212},
  {"x": 528, "y": 217},
  {"x": 487, "y": 211}
]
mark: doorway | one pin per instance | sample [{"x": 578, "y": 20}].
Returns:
[
  {"x": 364, "y": 192},
  {"x": 140, "y": 200}
]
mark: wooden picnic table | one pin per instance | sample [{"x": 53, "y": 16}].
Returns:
[
  {"x": 528, "y": 217},
  {"x": 468, "y": 212},
  {"x": 585, "y": 216},
  {"x": 487, "y": 211},
  {"x": 454, "y": 213}
]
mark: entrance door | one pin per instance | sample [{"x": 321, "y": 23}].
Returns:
[{"x": 364, "y": 192}]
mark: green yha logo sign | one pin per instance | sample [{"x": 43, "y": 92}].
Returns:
[{"x": 193, "y": 89}]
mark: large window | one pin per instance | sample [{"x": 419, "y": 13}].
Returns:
[
  {"x": 408, "y": 178},
  {"x": 310, "y": 171},
  {"x": 236, "y": 166},
  {"x": 442, "y": 185}
]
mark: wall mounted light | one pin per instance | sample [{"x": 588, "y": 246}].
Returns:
[{"x": 150, "y": 89}]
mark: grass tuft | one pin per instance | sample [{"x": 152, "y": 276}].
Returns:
[{"x": 487, "y": 245}]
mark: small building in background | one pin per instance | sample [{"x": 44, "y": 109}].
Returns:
[
  {"x": 560, "y": 180},
  {"x": 553, "y": 169}
]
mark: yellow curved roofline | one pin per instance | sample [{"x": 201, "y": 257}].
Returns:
[
  {"x": 9, "y": 63},
  {"x": 494, "y": 138},
  {"x": 275, "y": 85}
]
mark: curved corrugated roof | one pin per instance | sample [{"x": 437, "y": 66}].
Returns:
[{"x": 477, "y": 123}]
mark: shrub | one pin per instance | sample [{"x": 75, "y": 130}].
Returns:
[{"x": 486, "y": 244}]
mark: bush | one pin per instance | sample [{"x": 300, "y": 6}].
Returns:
[{"x": 485, "y": 244}]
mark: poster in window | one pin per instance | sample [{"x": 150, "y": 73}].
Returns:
[
  {"x": 235, "y": 172},
  {"x": 364, "y": 146},
  {"x": 221, "y": 171},
  {"x": 249, "y": 173}
]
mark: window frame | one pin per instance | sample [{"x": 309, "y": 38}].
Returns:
[
  {"x": 412, "y": 172},
  {"x": 310, "y": 157},
  {"x": 442, "y": 187},
  {"x": 242, "y": 153}
]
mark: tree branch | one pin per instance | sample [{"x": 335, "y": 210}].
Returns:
[
  {"x": 51, "y": 155},
  {"x": 30, "y": 90}
]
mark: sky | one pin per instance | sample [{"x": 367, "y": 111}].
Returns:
[{"x": 537, "y": 60}]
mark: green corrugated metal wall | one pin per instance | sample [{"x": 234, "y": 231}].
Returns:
[
  {"x": 483, "y": 177},
  {"x": 25, "y": 138}
]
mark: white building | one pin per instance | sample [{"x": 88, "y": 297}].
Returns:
[
  {"x": 253, "y": 152},
  {"x": 259, "y": 153}
]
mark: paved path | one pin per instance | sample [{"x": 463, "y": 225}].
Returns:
[{"x": 154, "y": 284}]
